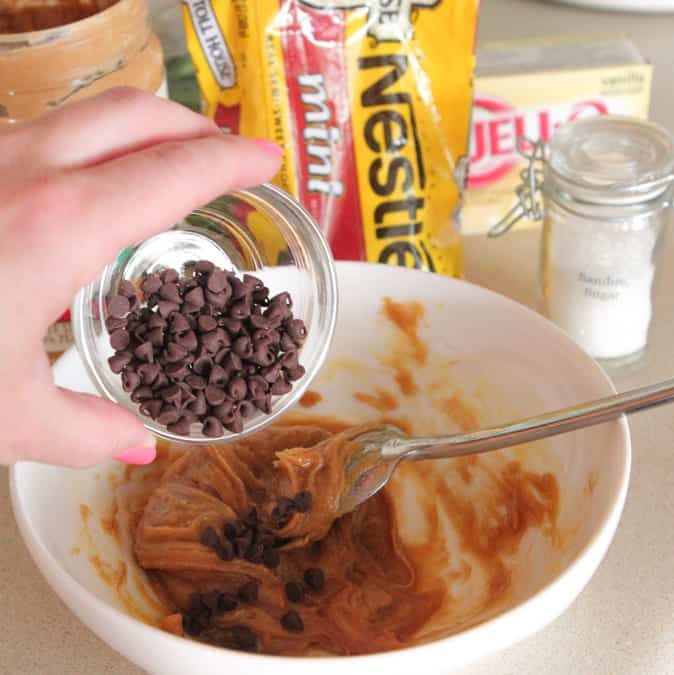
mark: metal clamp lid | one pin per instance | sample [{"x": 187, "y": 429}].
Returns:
[{"x": 529, "y": 191}]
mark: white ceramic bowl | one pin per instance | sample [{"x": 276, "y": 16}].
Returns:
[{"x": 501, "y": 358}]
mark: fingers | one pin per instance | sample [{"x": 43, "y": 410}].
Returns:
[
  {"x": 81, "y": 430},
  {"x": 96, "y": 129},
  {"x": 87, "y": 216}
]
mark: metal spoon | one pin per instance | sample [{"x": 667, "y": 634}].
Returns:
[{"x": 379, "y": 451}]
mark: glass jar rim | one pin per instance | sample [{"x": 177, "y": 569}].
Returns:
[{"x": 610, "y": 160}]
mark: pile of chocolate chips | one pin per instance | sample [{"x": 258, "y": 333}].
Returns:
[
  {"x": 247, "y": 538},
  {"x": 208, "y": 348}
]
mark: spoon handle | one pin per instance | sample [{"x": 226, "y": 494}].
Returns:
[{"x": 533, "y": 428}]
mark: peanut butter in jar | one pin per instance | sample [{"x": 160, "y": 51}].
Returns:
[{"x": 54, "y": 52}]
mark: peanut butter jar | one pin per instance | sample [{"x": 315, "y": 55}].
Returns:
[{"x": 54, "y": 52}]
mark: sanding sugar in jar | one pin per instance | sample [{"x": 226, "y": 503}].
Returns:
[
  {"x": 607, "y": 197},
  {"x": 607, "y": 194}
]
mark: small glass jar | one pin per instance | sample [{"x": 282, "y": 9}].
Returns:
[
  {"x": 606, "y": 198},
  {"x": 262, "y": 231}
]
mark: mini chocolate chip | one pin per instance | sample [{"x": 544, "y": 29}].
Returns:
[
  {"x": 168, "y": 415},
  {"x": 156, "y": 337},
  {"x": 181, "y": 427},
  {"x": 294, "y": 374},
  {"x": 190, "y": 311},
  {"x": 203, "y": 266},
  {"x": 248, "y": 592},
  {"x": 156, "y": 321},
  {"x": 297, "y": 331},
  {"x": 254, "y": 553},
  {"x": 130, "y": 380},
  {"x": 242, "y": 543},
  {"x": 263, "y": 404},
  {"x": 141, "y": 393},
  {"x": 292, "y": 621},
  {"x": 250, "y": 519},
  {"x": 237, "y": 388},
  {"x": 187, "y": 395},
  {"x": 225, "y": 411},
  {"x": 151, "y": 408},
  {"x": 170, "y": 292},
  {"x": 118, "y": 306},
  {"x": 198, "y": 406},
  {"x": 209, "y": 537},
  {"x": 191, "y": 626},
  {"x": 294, "y": 591},
  {"x": 243, "y": 347},
  {"x": 271, "y": 558},
  {"x": 149, "y": 372},
  {"x": 212, "y": 427},
  {"x": 188, "y": 340},
  {"x": 214, "y": 395},
  {"x": 232, "y": 362},
  {"x": 262, "y": 356},
  {"x": 239, "y": 290},
  {"x": 169, "y": 276},
  {"x": 287, "y": 343},
  {"x": 227, "y": 602},
  {"x": 207, "y": 324},
  {"x": 232, "y": 530},
  {"x": 271, "y": 373},
  {"x": 161, "y": 381},
  {"x": 195, "y": 297},
  {"x": 174, "y": 352},
  {"x": 246, "y": 409},
  {"x": 112, "y": 323},
  {"x": 232, "y": 326},
  {"x": 167, "y": 307},
  {"x": 179, "y": 323},
  {"x": 172, "y": 394},
  {"x": 258, "y": 322},
  {"x": 202, "y": 365},
  {"x": 281, "y": 386},
  {"x": 303, "y": 501},
  {"x": 217, "y": 376},
  {"x": 196, "y": 382},
  {"x": 177, "y": 371},
  {"x": 289, "y": 360},
  {"x": 314, "y": 579},
  {"x": 151, "y": 284},
  {"x": 211, "y": 341},
  {"x": 217, "y": 281},
  {"x": 257, "y": 386},
  {"x": 220, "y": 355},
  {"x": 225, "y": 550},
  {"x": 139, "y": 331},
  {"x": 119, "y": 339},
  {"x": 244, "y": 639},
  {"x": 211, "y": 599},
  {"x": 144, "y": 352},
  {"x": 240, "y": 310},
  {"x": 119, "y": 361}
]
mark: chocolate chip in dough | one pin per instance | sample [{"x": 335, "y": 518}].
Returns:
[
  {"x": 248, "y": 592},
  {"x": 294, "y": 591},
  {"x": 314, "y": 579},
  {"x": 292, "y": 621}
]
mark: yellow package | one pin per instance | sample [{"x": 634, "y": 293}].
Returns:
[{"x": 371, "y": 101}]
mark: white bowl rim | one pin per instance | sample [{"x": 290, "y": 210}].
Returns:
[{"x": 596, "y": 547}]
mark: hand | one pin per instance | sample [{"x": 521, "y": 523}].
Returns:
[{"x": 76, "y": 186}]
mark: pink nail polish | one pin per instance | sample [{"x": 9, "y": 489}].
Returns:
[
  {"x": 269, "y": 147},
  {"x": 140, "y": 455}
]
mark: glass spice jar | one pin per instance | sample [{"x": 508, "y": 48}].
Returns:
[{"x": 603, "y": 190}]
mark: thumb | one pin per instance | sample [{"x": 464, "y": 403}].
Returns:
[{"x": 82, "y": 430}]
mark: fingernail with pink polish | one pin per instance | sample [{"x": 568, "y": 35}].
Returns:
[
  {"x": 269, "y": 147},
  {"x": 140, "y": 455}
]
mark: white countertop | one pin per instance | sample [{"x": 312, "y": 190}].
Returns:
[{"x": 623, "y": 622}]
